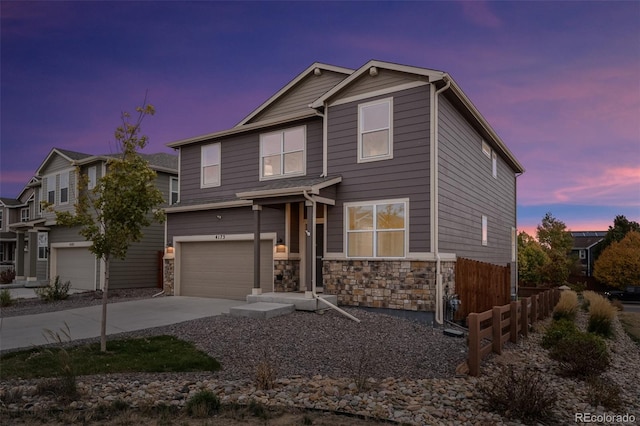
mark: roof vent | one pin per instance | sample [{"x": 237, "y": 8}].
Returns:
[
  {"x": 317, "y": 71},
  {"x": 373, "y": 71}
]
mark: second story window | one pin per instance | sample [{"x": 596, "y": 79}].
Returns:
[
  {"x": 24, "y": 214},
  {"x": 210, "y": 161},
  {"x": 64, "y": 188},
  {"x": 173, "y": 191},
  {"x": 50, "y": 182},
  {"x": 1, "y": 214},
  {"x": 282, "y": 153},
  {"x": 375, "y": 130},
  {"x": 91, "y": 177}
]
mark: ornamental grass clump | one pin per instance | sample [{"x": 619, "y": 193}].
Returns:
[
  {"x": 601, "y": 316},
  {"x": 587, "y": 297},
  {"x": 567, "y": 306}
]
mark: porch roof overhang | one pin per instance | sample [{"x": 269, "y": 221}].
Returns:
[
  {"x": 25, "y": 226},
  {"x": 289, "y": 188},
  {"x": 213, "y": 204}
]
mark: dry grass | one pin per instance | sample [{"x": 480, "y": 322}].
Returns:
[
  {"x": 567, "y": 306},
  {"x": 631, "y": 324},
  {"x": 601, "y": 315}
]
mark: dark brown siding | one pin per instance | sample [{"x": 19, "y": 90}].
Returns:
[{"x": 404, "y": 176}]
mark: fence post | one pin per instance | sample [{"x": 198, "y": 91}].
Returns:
[
  {"x": 524, "y": 316},
  {"x": 545, "y": 298},
  {"x": 496, "y": 330},
  {"x": 474, "y": 344},
  {"x": 534, "y": 308},
  {"x": 515, "y": 319}
]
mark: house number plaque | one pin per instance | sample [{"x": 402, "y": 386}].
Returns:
[{"x": 219, "y": 237}]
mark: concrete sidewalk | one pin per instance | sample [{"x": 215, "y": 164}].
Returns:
[{"x": 27, "y": 330}]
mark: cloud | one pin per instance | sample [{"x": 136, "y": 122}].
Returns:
[{"x": 479, "y": 13}]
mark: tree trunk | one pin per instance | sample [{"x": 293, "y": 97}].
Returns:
[{"x": 105, "y": 290}]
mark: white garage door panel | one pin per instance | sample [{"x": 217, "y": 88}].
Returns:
[
  {"x": 77, "y": 265},
  {"x": 223, "y": 269}
]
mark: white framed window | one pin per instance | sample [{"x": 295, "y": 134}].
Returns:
[
  {"x": 375, "y": 130},
  {"x": 485, "y": 233},
  {"x": 92, "y": 177},
  {"x": 43, "y": 246},
  {"x": 1, "y": 217},
  {"x": 583, "y": 254},
  {"x": 377, "y": 229},
  {"x": 210, "y": 161},
  {"x": 64, "y": 188},
  {"x": 24, "y": 214},
  {"x": 486, "y": 149},
  {"x": 50, "y": 183},
  {"x": 494, "y": 164},
  {"x": 173, "y": 190},
  {"x": 283, "y": 153}
]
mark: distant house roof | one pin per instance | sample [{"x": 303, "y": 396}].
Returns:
[
  {"x": 584, "y": 240},
  {"x": 10, "y": 202}
]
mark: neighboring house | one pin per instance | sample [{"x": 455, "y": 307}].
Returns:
[
  {"x": 364, "y": 183},
  {"x": 11, "y": 210},
  {"x": 45, "y": 250},
  {"x": 584, "y": 243}
]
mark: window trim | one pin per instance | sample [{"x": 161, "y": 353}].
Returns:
[
  {"x": 485, "y": 231},
  {"x": 92, "y": 180},
  {"x": 282, "y": 153},
  {"x": 202, "y": 165},
  {"x": 1, "y": 218},
  {"x": 486, "y": 149},
  {"x": 388, "y": 156},
  {"x": 22, "y": 216},
  {"x": 374, "y": 203},
  {"x": 43, "y": 252},
  {"x": 68, "y": 175},
  {"x": 174, "y": 190},
  {"x": 494, "y": 164}
]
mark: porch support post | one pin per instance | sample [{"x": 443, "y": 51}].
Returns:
[
  {"x": 256, "y": 250},
  {"x": 33, "y": 256},
  {"x": 19, "y": 257},
  {"x": 309, "y": 259}
]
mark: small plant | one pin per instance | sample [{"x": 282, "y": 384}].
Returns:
[
  {"x": 259, "y": 410},
  {"x": 5, "y": 298},
  {"x": 567, "y": 306},
  {"x": 519, "y": 394},
  {"x": 7, "y": 276},
  {"x": 202, "y": 404},
  {"x": 557, "y": 331},
  {"x": 56, "y": 290},
  {"x": 581, "y": 354},
  {"x": 601, "y": 315},
  {"x": 64, "y": 386},
  {"x": 602, "y": 391},
  {"x": 266, "y": 372},
  {"x": 360, "y": 367}
]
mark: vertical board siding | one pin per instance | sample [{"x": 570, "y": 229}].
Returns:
[
  {"x": 385, "y": 79},
  {"x": 299, "y": 97},
  {"x": 240, "y": 163},
  {"x": 468, "y": 190},
  {"x": 406, "y": 175}
]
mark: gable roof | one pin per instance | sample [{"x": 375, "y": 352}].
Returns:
[
  {"x": 587, "y": 239},
  {"x": 10, "y": 202},
  {"x": 314, "y": 68}
]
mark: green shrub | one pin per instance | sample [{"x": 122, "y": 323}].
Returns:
[
  {"x": 557, "y": 331},
  {"x": 5, "y": 298},
  {"x": 7, "y": 276},
  {"x": 202, "y": 404},
  {"x": 519, "y": 394},
  {"x": 581, "y": 354},
  {"x": 602, "y": 391},
  {"x": 57, "y": 290}
]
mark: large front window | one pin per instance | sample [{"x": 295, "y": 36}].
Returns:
[
  {"x": 376, "y": 229},
  {"x": 375, "y": 133},
  {"x": 282, "y": 153},
  {"x": 210, "y": 165}
]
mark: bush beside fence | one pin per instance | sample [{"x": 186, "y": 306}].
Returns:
[{"x": 503, "y": 323}]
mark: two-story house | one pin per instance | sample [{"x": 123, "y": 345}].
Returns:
[
  {"x": 44, "y": 250},
  {"x": 11, "y": 210},
  {"x": 367, "y": 184}
]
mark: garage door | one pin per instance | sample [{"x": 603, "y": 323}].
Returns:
[
  {"x": 77, "y": 265},
  {"x": 223, "y": 269}
]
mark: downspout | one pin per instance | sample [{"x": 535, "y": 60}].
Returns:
[
  {"x": 325, "y": 141},
  {"x": 515, "y": 202},
  {"x": 313, "y": 263},
  {"x": 435, "y": 205}
]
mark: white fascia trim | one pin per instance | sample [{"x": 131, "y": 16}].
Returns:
[
  {"x": 283, "y": 119},
  {"x": 380, "y": 92},
  {"x": 291, "y": 84},
  {"x": 282, "y": 192},
  {"x": 209, "y": 206},
  {"x": 227, "y": 237},
  {"x": 431, "y": 74},
  {"x": 46, "y": 160},
  {"x": 430, "y": 257}
]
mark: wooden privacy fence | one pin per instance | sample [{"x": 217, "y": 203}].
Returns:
[
  {"x": 489, "y": 330},
  {"x": 480, "y": 286}
]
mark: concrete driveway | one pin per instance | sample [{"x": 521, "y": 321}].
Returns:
[{"x": 27, "y": 330}]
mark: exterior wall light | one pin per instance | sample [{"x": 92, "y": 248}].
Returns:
[
  {"x": 169, "y": 252},
  {"x": 280, "y": 247}
]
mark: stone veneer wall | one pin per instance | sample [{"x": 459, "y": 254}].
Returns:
[
  {"x": 290, "y": 272},
  {"x": 393, "y": 284},
  {"x": 167, "y": 280}
]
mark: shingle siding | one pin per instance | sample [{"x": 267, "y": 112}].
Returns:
[
  {"x": 385, "y": 79},
  {"x": 404, "y": 176},
  {"x": 468, "y": 191}
]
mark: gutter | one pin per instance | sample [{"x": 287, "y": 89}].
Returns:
[
  {"x": 313, "y": 294},
  {"x": 435, "y": 237}
]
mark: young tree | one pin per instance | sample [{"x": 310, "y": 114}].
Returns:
[
  {"x": 557, "y": 242},
  {"x": 532, "y": 260},
  {"x": 621, "y": 227},
  {"x": 123, "y": 202},
  {"x": 619, "y": 264}
]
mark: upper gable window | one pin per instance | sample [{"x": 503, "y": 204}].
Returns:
[
  {"x": 486, "y": 149},
  {"x": 24, "y": 214},
  {"x": 91, "y": 176},
  {"x": 210, "y": 160},
  {"x": 64, "y": 188},
  {"x": 494, "y": 164},
  {"x": 375, "y": 130},
  {"x": 282, "y": 153},
  {"x": 173, "y": 190}
]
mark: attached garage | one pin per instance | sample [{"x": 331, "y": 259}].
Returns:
[
  {"x": 77, "y": 265},
  {"x": 222, "y": 268}
]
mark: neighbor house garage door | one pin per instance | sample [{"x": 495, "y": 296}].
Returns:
[
  {"x": 223, "y": 269},
  {"x": 78, "y": 265}
]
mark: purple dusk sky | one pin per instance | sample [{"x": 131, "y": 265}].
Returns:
[{"x": 558, "y": 81}]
